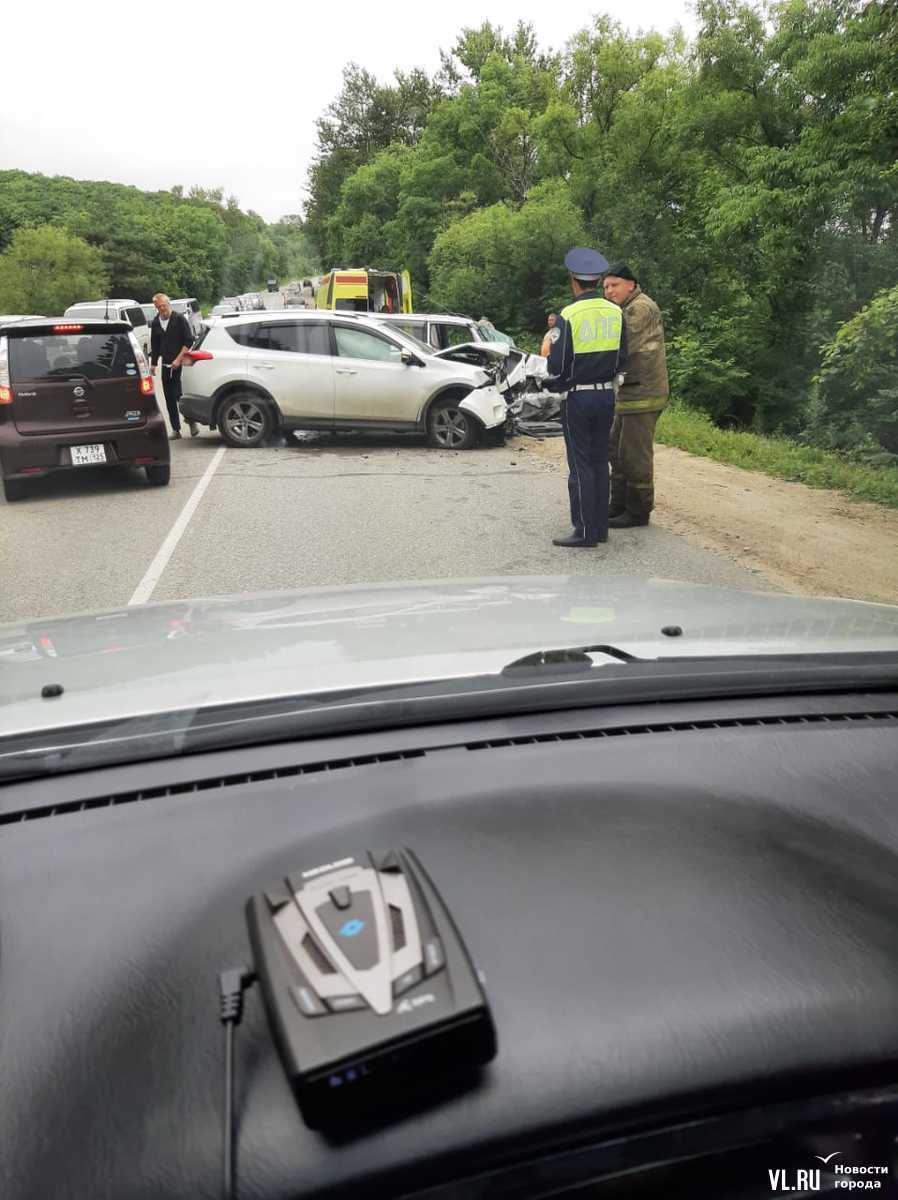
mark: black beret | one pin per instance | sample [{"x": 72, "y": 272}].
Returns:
[{"x": 621, "y": 271}]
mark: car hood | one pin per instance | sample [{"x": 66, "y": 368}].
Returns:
[
  {"x": 189, "y": 654},
  {"x": 482, "y": 352},
  {"x": 514, "y": 365}
]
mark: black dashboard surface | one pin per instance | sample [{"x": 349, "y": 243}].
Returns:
[{"x": 670, "y": 904}]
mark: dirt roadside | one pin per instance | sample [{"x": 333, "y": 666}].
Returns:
[{"x": 804, "y": 540}]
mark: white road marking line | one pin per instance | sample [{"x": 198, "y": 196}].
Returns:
[{"x": 147, "y": 585}]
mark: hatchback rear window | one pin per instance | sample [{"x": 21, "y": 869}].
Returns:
[{"x": 60, "y": 356}]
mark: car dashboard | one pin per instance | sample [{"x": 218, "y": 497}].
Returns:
[{"x": 685, "y": 916}]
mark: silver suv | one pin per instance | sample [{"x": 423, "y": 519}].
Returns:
[{"x": 251, "y": 375}]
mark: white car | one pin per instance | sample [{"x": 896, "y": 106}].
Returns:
[
  {"x": 250, "y": 376},
  {"x": 444, "y": 330},
  {"x": 251, "y": 302},
  {"x": 114, "y": 310},
  {"x": 478, "y": 342},
  {"x": 190, "y": 307}
]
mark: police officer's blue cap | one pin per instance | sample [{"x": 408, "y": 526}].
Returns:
[{"x": 586, "y": 264}]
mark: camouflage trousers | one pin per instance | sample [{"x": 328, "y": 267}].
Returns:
[{"x": 632, "y": 455}]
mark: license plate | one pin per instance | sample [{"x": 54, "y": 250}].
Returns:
[{"x": 83, "y": 456}]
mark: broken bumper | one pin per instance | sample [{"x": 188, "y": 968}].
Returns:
[{"x": 488, "y": 405}]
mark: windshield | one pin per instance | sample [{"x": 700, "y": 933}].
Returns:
[
  {"x": 494, "y": 335},
  {"x": 680, "y": 218}
]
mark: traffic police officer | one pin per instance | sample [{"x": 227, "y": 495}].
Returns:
[{"x": 583, "y": 361}]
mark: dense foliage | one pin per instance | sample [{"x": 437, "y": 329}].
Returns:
[
  {"x": 749, "y": 177},
  {"x": 139, "y": 243},
  {"x": 45, "y": 267}
]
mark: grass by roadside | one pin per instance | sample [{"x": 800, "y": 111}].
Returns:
[{"x": 693, "y": 431}]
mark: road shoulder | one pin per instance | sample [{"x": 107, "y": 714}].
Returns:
[{"x": 805, "y": 540}]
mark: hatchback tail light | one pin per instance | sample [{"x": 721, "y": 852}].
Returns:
[
  {"x": 147, "y": 387},
  {"x": 6, "y": 396}
]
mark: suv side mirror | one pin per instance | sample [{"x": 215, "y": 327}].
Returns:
[{"x": 410, "y": 360}]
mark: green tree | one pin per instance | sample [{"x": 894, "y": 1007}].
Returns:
[
  {"x": 296, "y": 255},
  {"x": 479, "y": 146},
  {"x": 365, "y": 118},
  {"x": 855, "y": 404},
  {"x": 507, "y": 263},
  {"x": 45, "y": 269}
]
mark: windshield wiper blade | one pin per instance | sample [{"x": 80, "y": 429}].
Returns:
[{"x": 571, "y": 658}]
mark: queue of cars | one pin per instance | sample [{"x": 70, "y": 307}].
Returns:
[
  {"x": 77, "y": 390},
  {"x": 246, "y": 302}
]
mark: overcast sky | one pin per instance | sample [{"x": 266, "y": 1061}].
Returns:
[{"x": 225, "y": 94}]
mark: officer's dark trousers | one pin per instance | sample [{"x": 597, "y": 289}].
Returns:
[
  {"x": 171, "y": 386},
  {"x": 586, "y": 419}
]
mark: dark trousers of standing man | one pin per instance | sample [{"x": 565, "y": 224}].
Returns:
[
  {"x": 171, "y": 386},
  {"x": 586, "y": 420}
]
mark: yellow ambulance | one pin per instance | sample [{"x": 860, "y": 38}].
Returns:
[{"x": 365, "y": 290}]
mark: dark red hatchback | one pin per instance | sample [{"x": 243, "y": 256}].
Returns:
[{"x": 74, "y": 395}]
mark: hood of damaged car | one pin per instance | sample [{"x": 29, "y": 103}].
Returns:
[
  {"x": 507, "y": 363},
  {"x": 156, "y": 658},
  {"x": 479, "y": 354}
]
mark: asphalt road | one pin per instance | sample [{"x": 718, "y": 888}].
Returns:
[
  {"x": 333, "y": 509},
  {"x": 321, "y": 511}
]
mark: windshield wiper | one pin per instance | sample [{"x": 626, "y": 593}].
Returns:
[{"x": 571, "y": 658}]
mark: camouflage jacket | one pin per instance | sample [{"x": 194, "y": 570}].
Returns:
[{"x": 645, "y": 387}]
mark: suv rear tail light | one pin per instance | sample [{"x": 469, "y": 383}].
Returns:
[
  {"x": 147, "y": 387},
  {"x": 193, "y": 356},
  {"x": 6, "y": 395},
  {"x": 67, "y": 328}
]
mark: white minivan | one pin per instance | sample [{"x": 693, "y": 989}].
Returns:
[{"x": 114, "y": 310}]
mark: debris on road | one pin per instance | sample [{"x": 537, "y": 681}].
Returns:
[{"x": 537, "y": 414}]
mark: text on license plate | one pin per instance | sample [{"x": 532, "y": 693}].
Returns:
[{"x": 83, "y": 455}]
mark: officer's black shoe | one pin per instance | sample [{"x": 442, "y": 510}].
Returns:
[
  {"x": 615, "y": 512},
  {"x": 626, "y": 520},
  {"x": 578, "y": 540}
]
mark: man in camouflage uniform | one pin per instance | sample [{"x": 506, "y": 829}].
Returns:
[{"x": 640, "y": 400}]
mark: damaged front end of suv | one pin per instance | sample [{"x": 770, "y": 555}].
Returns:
[{"x": 520, "y": 378}]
